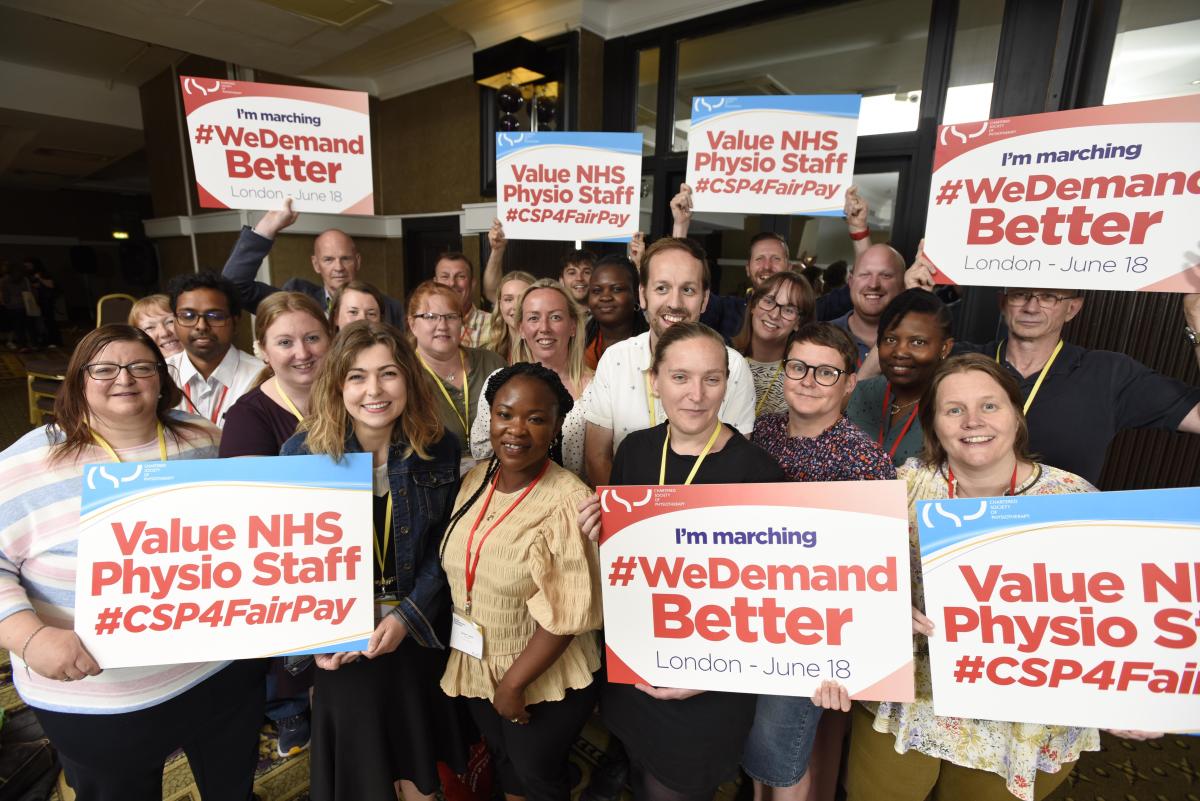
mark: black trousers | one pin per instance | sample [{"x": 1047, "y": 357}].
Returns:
[
  {"x": 531, "y": 759},
  {"x": 120, "y": 757}
]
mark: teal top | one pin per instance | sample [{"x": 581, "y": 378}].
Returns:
[{"x": 866, "y": 411}]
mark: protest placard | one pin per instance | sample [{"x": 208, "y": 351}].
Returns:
[
  {"x": 775, "y": 154},
  {"x": 1097, "y": 198},
  {"x": 254, "y": 145},
  {"x": 1080, "y": 610},
  {"x": 196, "y": 560},
  {"x": 569, "y": 185},
  {"x": 759, "y": 588}
]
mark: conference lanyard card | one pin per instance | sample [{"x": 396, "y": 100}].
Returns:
[{"x": 467, "y": 636}]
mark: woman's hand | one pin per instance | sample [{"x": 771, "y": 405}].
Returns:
[
  {"x": 335, "y": 661},
  {"x": 59, "y": 654},
  {"x": 832, "y": 695},
  {"x": 920, "y": 623},
  {"x": 387, "y": 637},
  {"x": 589, "y": 517},
  {"x": 920, "y": 274},
  {"x": 636, "y": 247},
  {"x": 1134, "y": 734},
  {"x": 509, "y": 703},
  {"x": 667, "y": 693}
]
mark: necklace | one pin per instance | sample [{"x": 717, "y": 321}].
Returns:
[{"x": 896, "y": 408}]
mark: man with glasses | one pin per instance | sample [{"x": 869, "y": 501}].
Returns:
[
  {"x": 211, "y": 372},
  {"x": 1077, "y": 400}
]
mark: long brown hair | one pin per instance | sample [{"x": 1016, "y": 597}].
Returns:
[
  {"x": 933, "y": 453},
  {"x": 807, "y": 302},
  {"x": 275, "y": 306},
  {"x": 328, "y": 421},
  {"x": 70, "y": 405}
]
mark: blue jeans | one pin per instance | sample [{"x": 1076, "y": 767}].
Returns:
[{"x": 781, "y": 739}]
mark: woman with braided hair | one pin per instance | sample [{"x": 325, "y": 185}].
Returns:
[{"x": 525, "y": 587}]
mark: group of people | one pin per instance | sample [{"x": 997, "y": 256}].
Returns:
[{"x": 488, "y": 434}]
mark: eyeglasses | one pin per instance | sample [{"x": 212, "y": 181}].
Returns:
[
  {"x": 1047, "y": 300},
  {"x": 215, "y": 319},
  {"x": 786, "y": 310},
  {"x": 108, "y": 371},
  {"x": 434, "y": 317},
  {"x": 824, "y": 374}
]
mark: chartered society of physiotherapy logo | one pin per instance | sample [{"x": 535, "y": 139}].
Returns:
[
  {"x": 961, "y": 133},
  {"x": 194, "y": 86},
  {"x": 957, "y": 520},
  {"x": 617, "y": 499},
  {"x": 103, "y": 473},
  {"x": 703, "y": 104},
  {"x": 511, "y": 140}
]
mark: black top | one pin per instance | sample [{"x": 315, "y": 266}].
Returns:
[
  {"x": 256, "y": 426},
  {"x": 639, "y": 457},
  {"x": 1090, "y": 395}
]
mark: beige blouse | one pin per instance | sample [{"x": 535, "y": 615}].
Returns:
[{"x": 536, "y": 569}]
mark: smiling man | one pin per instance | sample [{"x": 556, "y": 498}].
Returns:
[
  {"x": 454, "y": 269},
  {"x": 211, "y": 372},
  {"x": 674, "y": 289},
  {"x": 877, "y": 277}
]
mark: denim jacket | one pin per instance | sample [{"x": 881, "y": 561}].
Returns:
[{"x": 423, "y": 492}]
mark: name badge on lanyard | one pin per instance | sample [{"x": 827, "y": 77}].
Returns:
[{"x": 466, "y": 635}]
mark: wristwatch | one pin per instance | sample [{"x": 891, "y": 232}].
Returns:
[{"x": 1190, "y": 335}]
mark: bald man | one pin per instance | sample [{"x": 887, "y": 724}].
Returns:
[
  {"x": 877, "y": 277},
  {"x": 335, "y": 258}
]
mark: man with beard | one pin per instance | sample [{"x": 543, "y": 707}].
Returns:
[
  {"x": 211, "y": 372},
  {"x": 674, "y": 289}
]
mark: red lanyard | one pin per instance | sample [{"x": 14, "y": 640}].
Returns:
[
  {"x": 216, "y": 412},
  {"x": 885, "y": 423},
  {"x": 473, "y": 565},
  {"x": 952, "y": 481}
]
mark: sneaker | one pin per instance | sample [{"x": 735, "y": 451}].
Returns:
[{"x": 293, "y": 735}]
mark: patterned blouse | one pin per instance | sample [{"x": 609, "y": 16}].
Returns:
[
  {"x": 1014, "y": 751},
  {"x": 768, "y": 380},
  {"x": 840, "y": 453}
]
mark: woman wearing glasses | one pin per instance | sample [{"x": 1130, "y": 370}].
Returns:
[
  {"x": 812, "y": 441},
  {"x": 914, "y": 338},
  {"x": 456, "y": 372},
  {"x": 114, "y": 728},
  {"x": 777, "y": 307}
]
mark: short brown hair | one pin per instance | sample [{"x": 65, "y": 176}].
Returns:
[
  {"x": 680, "y": 332},
  {"x": 826, "y": 335},
  {"x": 933, "y": 452},
  {"x": 689, "y": 246},
  {"x": 807, "y": 305},
  {"x": 328, "y": 422},
  {"x": 335, "y": 303},
  {"x": 457, "y": 255}
]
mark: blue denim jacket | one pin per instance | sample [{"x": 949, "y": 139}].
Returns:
[{"x": 423, "y": 492}]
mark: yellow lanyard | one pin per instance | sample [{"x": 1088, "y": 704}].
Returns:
[
  {"x": 288, "y": 401},
  {"x": 381, "y": 551},
  {"x": 767, "y": 391},
  {"x": 465, "y": 417},
  {"x": 162, "y": 445},
  {"x": 1041, "y": 376},
  {"x": 649, "y": 399},
  {"x": 662, "y": 468}
]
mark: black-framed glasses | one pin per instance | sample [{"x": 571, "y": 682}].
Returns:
[
  {"x": 824, "y": 374},
  {"x": 215, "y": 318},
  {"x": 1047, "y": 300},
  {"x": 108, "y": 371},
  {"x": 434, "y": 317},
  {"x": 786, "y": 310}
]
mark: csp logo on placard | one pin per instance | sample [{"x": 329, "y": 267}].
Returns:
[
  {"x": 117, "y": 481},
  {"x": 511, "y": 140},
  {"x": 960, "y": 135},
  {"x": 193, "y": 86},
  {"x": 953, "y": 518},
  {"x": 604, "y": 496},
  {"x": 702, "y": 103}
]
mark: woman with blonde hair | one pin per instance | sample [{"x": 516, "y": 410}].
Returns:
[
  {"x": 505, "y": 334},
  {"x": 153, "y": 315},
  {"x": 378, "y": 715},
  {"x": 552, "y": 333}
]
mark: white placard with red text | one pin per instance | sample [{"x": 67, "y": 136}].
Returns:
[
  {"x": 1097, "y": 198},
  {"x": 569, "y": 185},
  {"x": 759, "y": 588},
  {"x": 209, "y": 559},
  {"x": 772, "y": 154},
  {"x": 254, "y": 145},
  {"x": 1070, "y": 610}
]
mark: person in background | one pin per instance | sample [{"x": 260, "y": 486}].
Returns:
[
  {"x": 576, "y": 273},
  {"x": 112, "y": 729},
  {"x": 914, "y": 337},
  {"x": 778, "y": 306},
  {"x": 551, "y": 334},
  {"x": 13, "y": 286},
  {"x": 505, "y": 334},
  {"x": 523, "y": 577},
  {"x": 613, "y": 303},
  {"x": 378, "y": 715},
  {"x": 357, "y": 300},
  {"x": 211, "y": 372},
  {"x": 877, "y": 277},
  {"x": 46, "y": 293},
  {"x": 455, "y": 370},
  {"x": 153, "y": 315},
  {"x": 834, "y": 276},
  {"x": 455, "y": 270}
]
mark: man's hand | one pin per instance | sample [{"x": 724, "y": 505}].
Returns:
[
  {"x": 496, "y": 237},
  {"x": 275, "y": 221},
  {"x": 855, "y": 211},
  {"x": 681, "y": 211},
  {"x": 635, "y": 248},
  {"x": 920, "y": 274}
]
